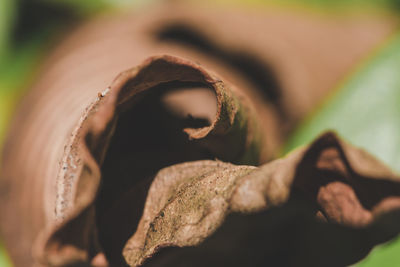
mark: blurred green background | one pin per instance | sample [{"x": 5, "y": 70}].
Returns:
[{"x": 371, "y": 93}]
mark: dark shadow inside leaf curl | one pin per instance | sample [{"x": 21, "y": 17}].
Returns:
[
  {"x": 326, "y": 177},
  {"x": 148, "y": 136},
  {"x": 249, "y": 66}
]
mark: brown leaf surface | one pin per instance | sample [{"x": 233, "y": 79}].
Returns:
[
  {"x": 232, "y": 134},
  {"x": 70, "y": 157},
  {"x": 187, "y": 202}
]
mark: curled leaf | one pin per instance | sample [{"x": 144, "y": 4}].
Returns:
[
  {"x": 98, "y": 217},
  {"x": 230, "y": 135},
  {"x": 345, "y": 186},
  {"x": 186, "y": 203},
  {"x": 81, "y": 156}
]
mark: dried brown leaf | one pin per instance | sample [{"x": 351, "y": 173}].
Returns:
[
  {"x": 231, "y": 135},
  {"x": 187, "y": 202},
  {"x": 69, "y": 159}
]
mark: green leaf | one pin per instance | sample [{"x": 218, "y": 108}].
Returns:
[
  {"x": 383, "y": 256},
  {"x": 4, "y": 259},
  {"x": 7, "y": 13},
  {"x": 323, "y": 5},
  {"x": 89, "y": 7},
  {"x": 365, "y": 110}
]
